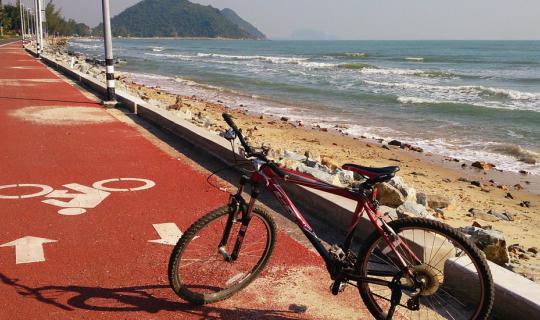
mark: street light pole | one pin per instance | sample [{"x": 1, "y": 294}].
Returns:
[
  {"x": 37, "y": 19},
  {"x": 22, "y": 21},
  {"x": 109, "y": 60}
]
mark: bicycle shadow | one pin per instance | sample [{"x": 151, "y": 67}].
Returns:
[{"x": 145, "y": 298}]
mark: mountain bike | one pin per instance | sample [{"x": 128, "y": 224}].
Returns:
[{"x": 407, "y": 268}]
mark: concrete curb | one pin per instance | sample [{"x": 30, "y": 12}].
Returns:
[{"x": 516, "y": 297}]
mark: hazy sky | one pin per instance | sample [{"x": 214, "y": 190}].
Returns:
[{"x": 364, "y": 19}]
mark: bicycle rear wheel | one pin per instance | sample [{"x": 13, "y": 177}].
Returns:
[
  {"x": 200, "y": 274},
  {"x": 457, "y": 283}
]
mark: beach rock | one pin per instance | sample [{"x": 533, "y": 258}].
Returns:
[
  {"x": 385, "y": 147},
  {"x": 293, "y": 156},
  {"x": 486, "y": 166},
  {"x": 464, "y": 180},
  {"x": 290, "y": 164},
  {"x": 389, "y": 196},
  {"x": 395, "y": 143},
  {"x": 476, "y": 183},
  {"x": 491, "y": 242},
  {"x": 533, "y": 250},
  {"x": 437, "y": 201},
  {"x": 345, "y": 177},
  {"x": 408, "y": 192},
  {"x": 312, "y": 158},
  {"x": 284, "y": 119},
  {"x": 330, "y": 163},
  {"x": 478, "y": 214},
  {"x": 509, "y": 196},
  {"x": 389, "y": 212},
  {"x": 518, "y": 187},
  {"x": 525, "y": 204},
  {"x": 422, "y": 199},
  {"x": 506, "y": 216},
  {"x": 523, "y": 172},
  {"x": 321, "y": 175},
  {"x": 439, "y": 213},
  {"x": 413, "y": 210}
]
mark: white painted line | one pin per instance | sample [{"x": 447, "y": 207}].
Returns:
[
  {"x": 44, "y": 190},
  {"x": 25, "y": 67},
  {"x": 169, "y": 233},
  {"x": 147, "y": 185},
  {"x": 28, "y": 249}
]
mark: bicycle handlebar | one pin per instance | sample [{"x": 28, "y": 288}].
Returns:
[{"x": 249, "y": 151}]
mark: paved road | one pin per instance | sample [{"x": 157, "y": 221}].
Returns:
[{"x": 75, "y": 233}]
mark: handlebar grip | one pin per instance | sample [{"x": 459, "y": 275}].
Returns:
[{"x": 227, "y": 117}]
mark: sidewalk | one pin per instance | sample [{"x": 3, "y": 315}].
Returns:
[{"x": 67, "y": 256}]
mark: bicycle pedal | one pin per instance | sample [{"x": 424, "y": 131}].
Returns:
[{"x": 337, "y": 287}]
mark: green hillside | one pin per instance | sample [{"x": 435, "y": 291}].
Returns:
[
  {"x": 176, "y": 18},
  {"x": 242, "y": 24}
]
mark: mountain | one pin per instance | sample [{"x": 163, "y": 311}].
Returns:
[
  {"x": 177, "y": 18},
  {"x": 242, "y": 24}
]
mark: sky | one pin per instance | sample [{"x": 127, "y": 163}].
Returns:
[{"x": 363, "y": 19}]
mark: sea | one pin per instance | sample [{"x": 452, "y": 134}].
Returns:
[{"x": 471, "y": 100}]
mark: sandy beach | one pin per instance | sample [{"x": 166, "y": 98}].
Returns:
[{"x": 463, "y": 186}]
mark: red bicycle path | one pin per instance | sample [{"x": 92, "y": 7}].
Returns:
[{"x": 102, "y": 265}]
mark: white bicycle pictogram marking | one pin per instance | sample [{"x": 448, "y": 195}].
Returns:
[
  {"x": 82, "y": 199},
  {"x": 44, "y": 191}
]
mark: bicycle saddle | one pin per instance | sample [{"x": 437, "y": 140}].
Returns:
[{"x": 374, "y": 174}]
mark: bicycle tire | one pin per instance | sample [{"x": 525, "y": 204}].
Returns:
[
  {"x": 175, "y": 260},
  {"x": 477, "y": 257}
]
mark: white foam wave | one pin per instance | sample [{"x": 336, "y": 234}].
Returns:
[
  {"x": 376, "y": 71},
  {"x": 508, "y": 93},
  {"x": 414, "y": 59},
  {"x": 416, "y": 100},
  {"x": 270, "y": 59}
]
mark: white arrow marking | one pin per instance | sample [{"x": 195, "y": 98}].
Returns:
[
  {"x": 88, "y": 198},
  {"x": 28, "y": 249},
  {"x": 169, "y": 233}
]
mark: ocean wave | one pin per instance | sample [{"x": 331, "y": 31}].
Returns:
[
  {"x": 158, "y": 49},
  {"x": 416, "y": 100},
  {"x": 518, "y": 152},
  {"x": 479, "y": 90},
  {"x": 351, "y": 55},
  {"x": 170, "y": 55},
  {"x": 508, "y": 93},
  {"x": 356, "y": 66},
  {"x": 317, "y": 65},
  {"x": 437, "y": 74},
  {"x": 270, "y": 59},
  {"x": 417, "y": 59}
]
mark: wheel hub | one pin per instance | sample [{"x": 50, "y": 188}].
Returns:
[{"x": 428, "y": 279}]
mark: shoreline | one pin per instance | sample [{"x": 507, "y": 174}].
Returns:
[{"x": 432, "y": 174}]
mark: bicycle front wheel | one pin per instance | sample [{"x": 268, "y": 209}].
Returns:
[
  {"x": 198, "y": 271},
  {"x": 456, "y": 281}
]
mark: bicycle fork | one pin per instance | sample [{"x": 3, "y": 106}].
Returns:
[{"x": 238, "y": 210}]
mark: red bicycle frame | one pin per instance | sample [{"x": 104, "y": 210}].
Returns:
[{"x": 269, "y": 179}]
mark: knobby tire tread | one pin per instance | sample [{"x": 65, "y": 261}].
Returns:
[
  {"x": 188, "y": 236},
  {"x": 460, "y": 238}
]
